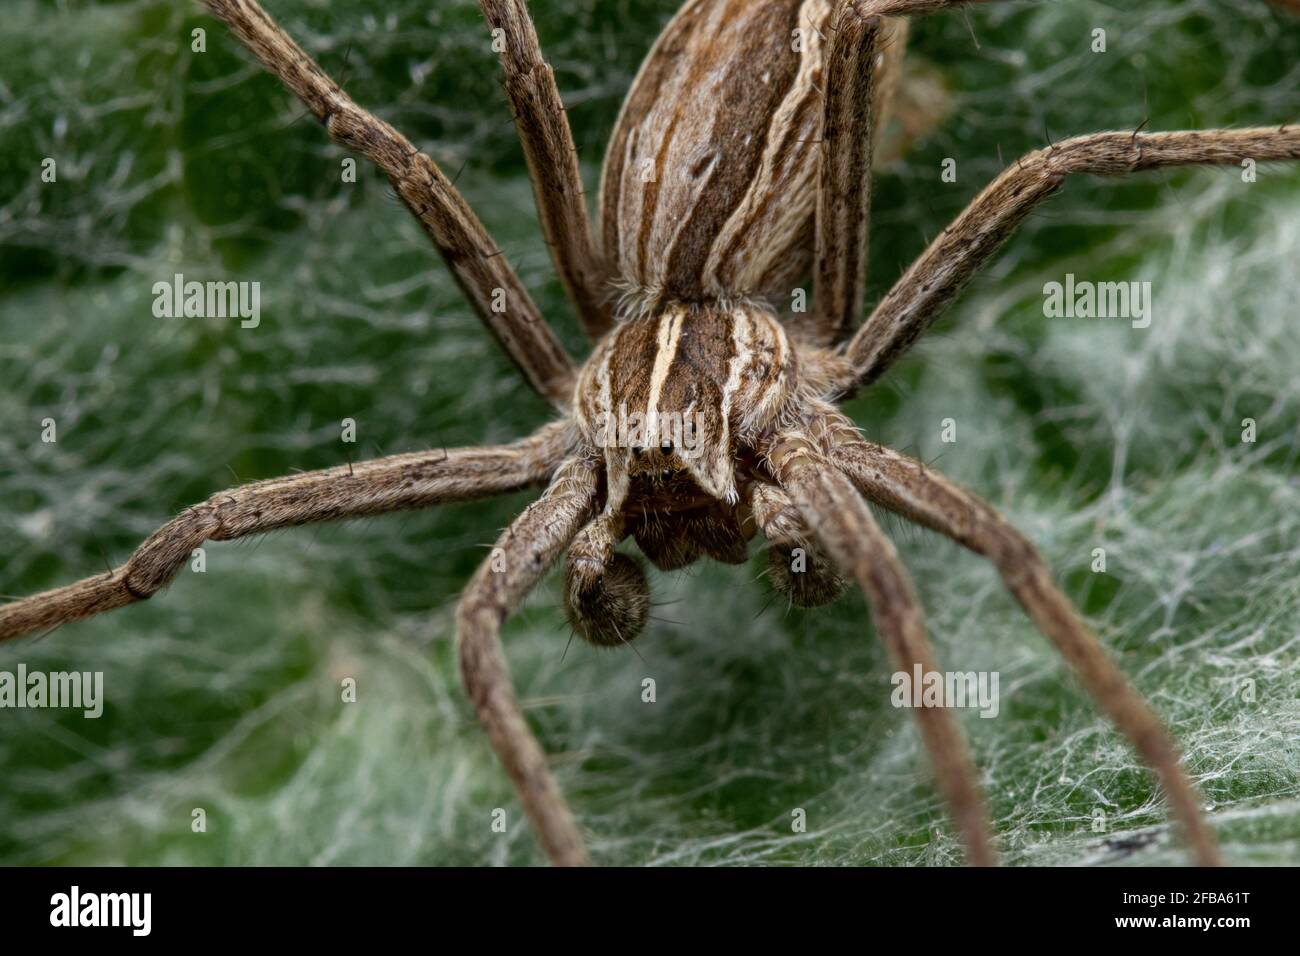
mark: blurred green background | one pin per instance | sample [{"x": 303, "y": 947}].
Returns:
[{"x": 224, "y": 693}]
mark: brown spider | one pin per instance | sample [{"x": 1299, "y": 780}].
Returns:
[{"x": 740, "y": 163}]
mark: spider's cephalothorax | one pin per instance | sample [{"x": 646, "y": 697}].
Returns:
[
  {"x": 683, "y": 393},
  {"x": 675, "y": 403},
  {"x": 739, "y": 165}
]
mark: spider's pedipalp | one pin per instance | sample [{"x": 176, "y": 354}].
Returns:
[
  {"x": 607, "y": 604},
  {"x": 606, "y": 596},
  {"x": 803, "y": 576},
  {"x": 796, "y": 566}
]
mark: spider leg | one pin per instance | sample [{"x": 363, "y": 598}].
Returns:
[
  {"x": 778, "y": 518},
  {"x": 862, "y": 73},
  {"x": 908, "y": 487},
  {"x": 951, "y": 260},
  {"x": 795, "y": 567},
  {"x": 480, "y": 269},
  {"x": 522, "y": 554},
  {"x": 552, "y": 163},
  {"x": 606, "y": 595},
  {"x": 861, "y": 69},
  {"x": 395, "y": 483},
  {"x": 844, "y": 525}
]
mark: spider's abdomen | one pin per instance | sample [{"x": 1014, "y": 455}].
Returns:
[{"x": 708, "y": 188}]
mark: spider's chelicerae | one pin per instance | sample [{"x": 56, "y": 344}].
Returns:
[{"x": 740, "y": 164}]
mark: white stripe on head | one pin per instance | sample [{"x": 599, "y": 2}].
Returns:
[{"x": 670, "y": 334}]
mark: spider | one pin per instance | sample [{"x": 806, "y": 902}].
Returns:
[{"x": 739, "y": 165}]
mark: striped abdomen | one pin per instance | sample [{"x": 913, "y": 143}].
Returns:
[{"x": 708, "y": 188}]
